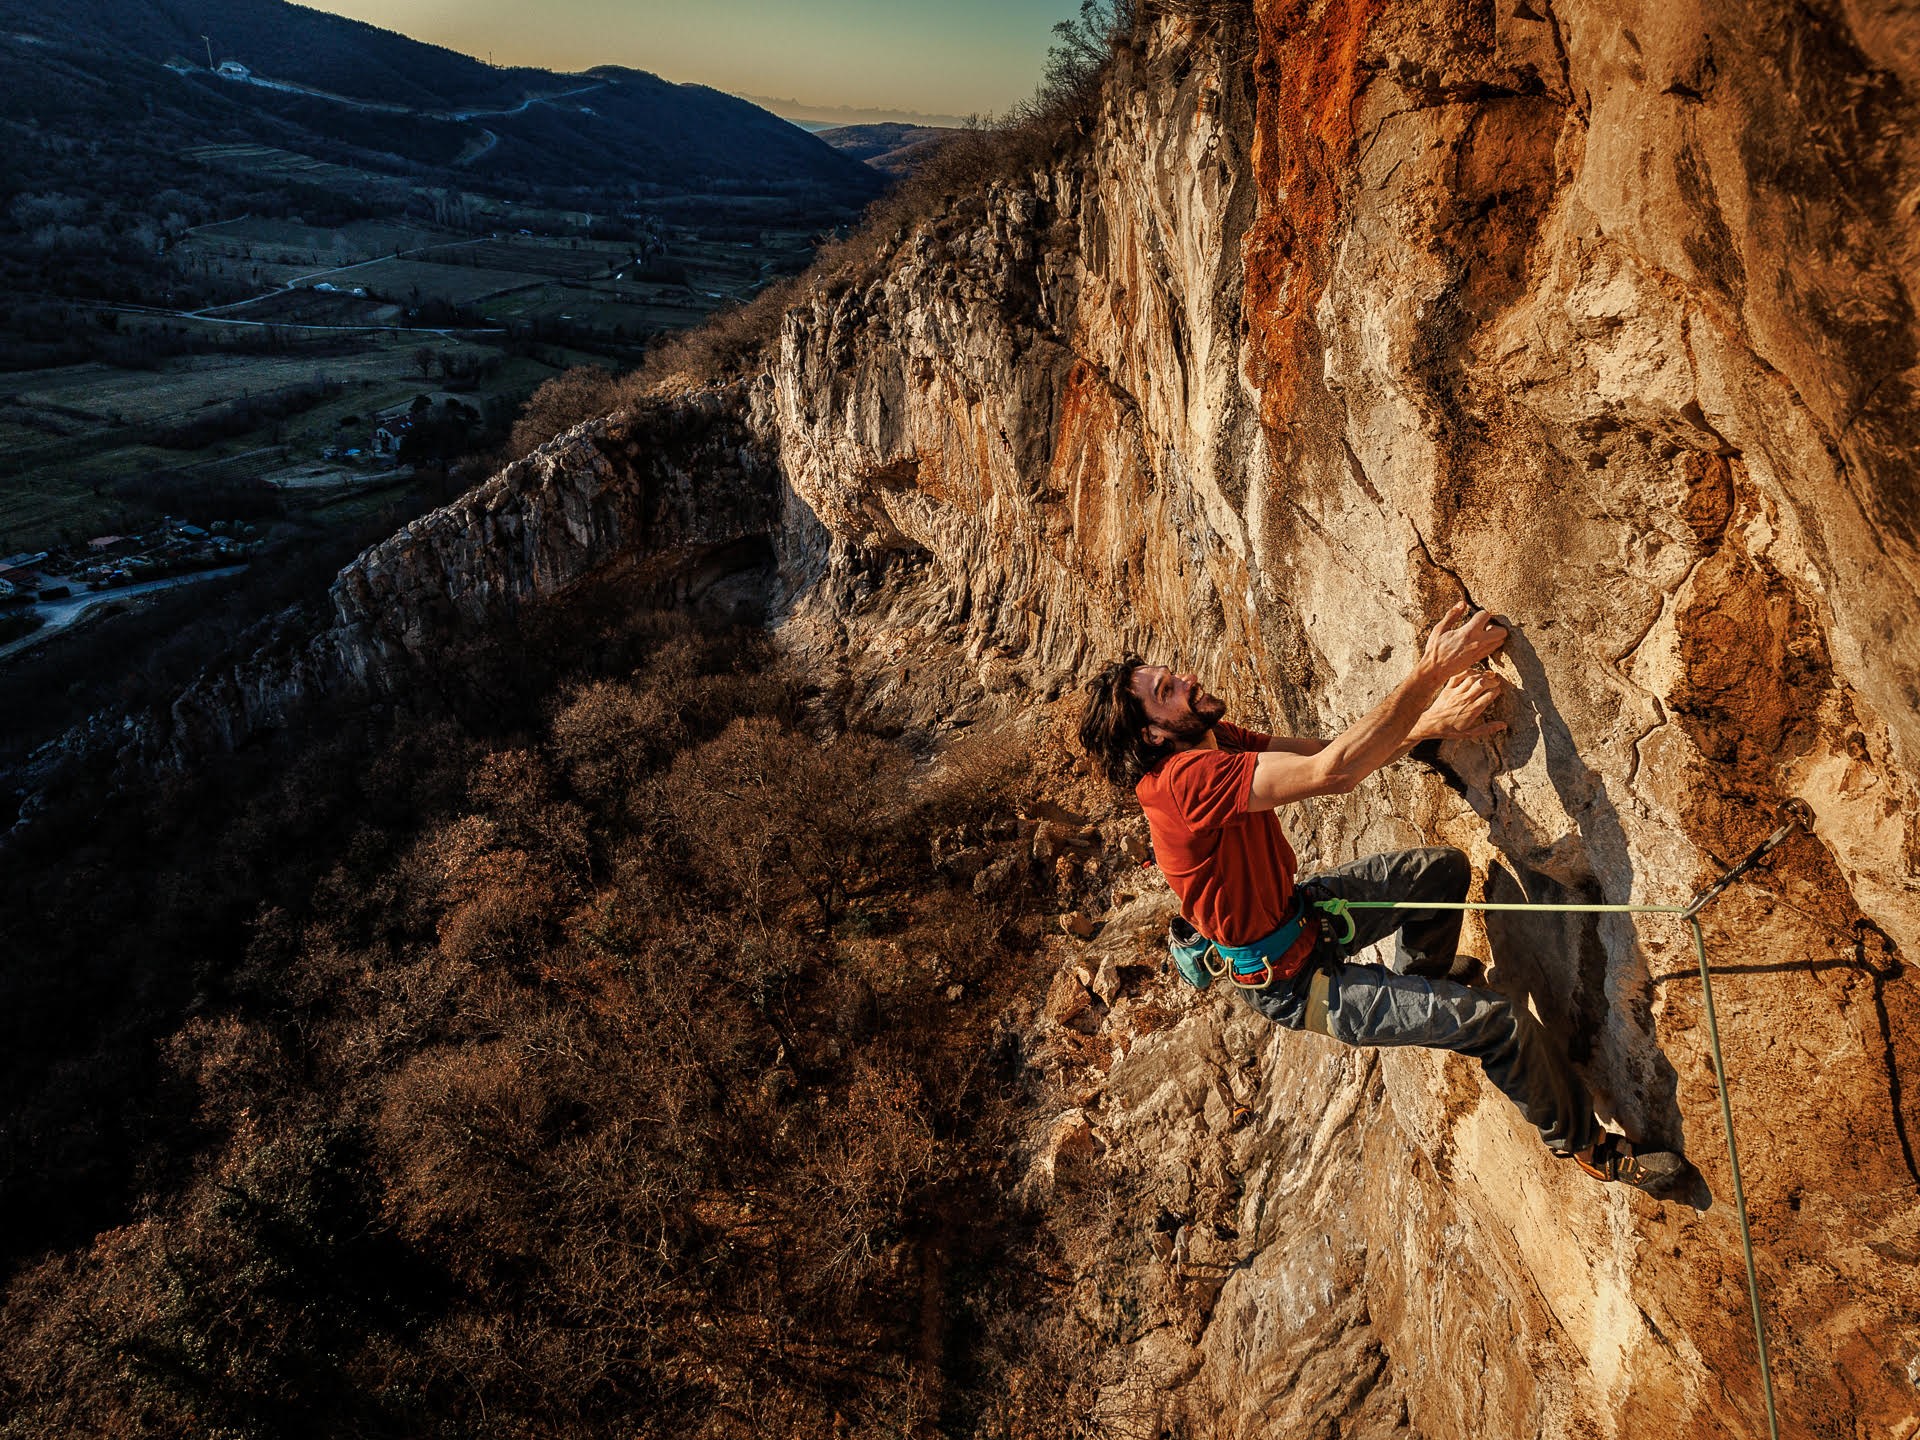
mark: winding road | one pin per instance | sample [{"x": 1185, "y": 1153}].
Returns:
[{"x": 59, "y": 614}]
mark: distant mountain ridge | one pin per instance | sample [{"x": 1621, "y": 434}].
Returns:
[
  {"x": 319, "y": 81},
  {"x": 330, "y": 52},
  {"x": 892, "y": 149}
]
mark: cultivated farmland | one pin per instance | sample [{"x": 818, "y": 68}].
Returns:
[{"x": 344, "y": 325}]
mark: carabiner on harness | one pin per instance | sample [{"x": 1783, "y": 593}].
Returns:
[{"x": 1337, "y": 909}]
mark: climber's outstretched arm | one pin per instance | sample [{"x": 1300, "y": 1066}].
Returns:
[
  {"x": 1294, "y": 745},
  {"x": 1458, "y": 712},
  {"x": 1438, "y": 686}
]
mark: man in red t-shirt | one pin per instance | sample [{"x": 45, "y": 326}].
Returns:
[{"x": 1210, "y": 790}]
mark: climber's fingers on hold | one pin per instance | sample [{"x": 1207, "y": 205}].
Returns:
[
  {"x": 1471, "y": 692},
  {"x": 1458, "y": 646},
  {"x": 1447, "y": 622}
]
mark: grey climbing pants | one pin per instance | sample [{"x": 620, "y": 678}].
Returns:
[{"x": 1412, "y": 1003}]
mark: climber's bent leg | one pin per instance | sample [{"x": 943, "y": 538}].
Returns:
[
  {"x": 1428, "y": 938},
  {"x": 1371, "y": 1005},
  {"x": 1374, "y": 1005}
]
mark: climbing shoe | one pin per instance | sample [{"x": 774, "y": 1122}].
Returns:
[{"x": 1660, "y": 1173}]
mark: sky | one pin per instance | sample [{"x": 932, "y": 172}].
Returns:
[{"x": 935, "y": 58}]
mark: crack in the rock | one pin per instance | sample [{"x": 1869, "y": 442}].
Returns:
[
  {"x": 1566, "y": 65},
  {"x": 1611, "y": 669},
  {"x": 1426, "y": 552},
  {"x": 1633, "y": 770},
  {"x": 1360, "y": 163},
  {"x": 1861, "y": 406},
  {"x": 1367, "y": 486},
  {"x": 1615, "y": 666},
  {"x": 1890, "y": 970},
  {"x": 1364, "y": 1383},
  {"x": 1659, "y": 614}
]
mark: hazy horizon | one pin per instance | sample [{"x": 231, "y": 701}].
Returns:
[{"x": 870, "y": 60}]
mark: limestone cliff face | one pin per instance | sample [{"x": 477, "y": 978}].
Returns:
[{"x": 1599, "y": 316}]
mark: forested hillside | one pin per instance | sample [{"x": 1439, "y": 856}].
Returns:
[{"x": 617, "y": 1037}]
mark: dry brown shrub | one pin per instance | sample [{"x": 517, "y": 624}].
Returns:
[
  {"x": 461, "y": 1127},
  {"x": 964, "y": 934},
  {"x": 586, "y": 392},
  {"x": 499, "y": 900},
  {"x": 63, "y": 1374},
  {"x": 229, "y": 1062},
  {"x": 516, "y": 790},
  {"x": 732, "y": 343},
  {"x": 763, "y": 809},
  {"x": 871, "y": 1159},
  {"x": 978, "y": 775},
  {"x": 608, "y": 734},
  {"x": 510, "y": 781}
]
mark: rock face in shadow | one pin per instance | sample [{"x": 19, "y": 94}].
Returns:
[
  {"x": 1597, "y": 315},
  {"x": 676, "y": 490}
]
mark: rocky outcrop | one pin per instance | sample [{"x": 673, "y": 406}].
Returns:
[
  {"x": 677, "y": 491},
  {"x": 1595, "y": 315}
]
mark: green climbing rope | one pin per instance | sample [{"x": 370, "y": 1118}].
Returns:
[{"x": 1797, "y": 815}]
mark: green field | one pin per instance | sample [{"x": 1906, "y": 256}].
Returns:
[
  {"x": 558, "y": 258},
  {"x": 67, "y": 436},
  {"x": 76, "y": 442},
  {"x": 362, "y": 240},
  {"x": 266, "y": 161},
  {"x": 637, "y": 309},
  {"x": 422, "y": 279}
]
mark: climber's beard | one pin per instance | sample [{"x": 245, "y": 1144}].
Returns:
[{"x": 1204, "y": 711}]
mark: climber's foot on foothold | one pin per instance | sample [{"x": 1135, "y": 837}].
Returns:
[{"x": 1663, "y": 1174}]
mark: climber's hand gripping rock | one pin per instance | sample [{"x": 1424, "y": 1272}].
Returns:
[{"x": 1458, "y": 712}]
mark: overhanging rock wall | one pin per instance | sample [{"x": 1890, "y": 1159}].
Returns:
[{"x": 1599, "y": 316}]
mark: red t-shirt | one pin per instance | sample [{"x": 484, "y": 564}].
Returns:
[{"x": 1231, "y": 867}]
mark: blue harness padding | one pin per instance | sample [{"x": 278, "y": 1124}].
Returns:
[
  {"x": 1190, "y": 957},
  {"x": 1252, "y": 966}
]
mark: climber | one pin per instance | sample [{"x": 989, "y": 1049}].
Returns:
[{"x": 1210, "y": 789}]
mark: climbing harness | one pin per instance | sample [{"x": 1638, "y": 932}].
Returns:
[
  {"x": 1796, "y": 815},
  {"x": 1280, "y": 955}
]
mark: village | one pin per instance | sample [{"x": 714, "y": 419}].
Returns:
[{"x": 108, "y": 562}]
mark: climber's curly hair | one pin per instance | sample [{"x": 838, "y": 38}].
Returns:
[{"x": 1113, "y": 726}]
